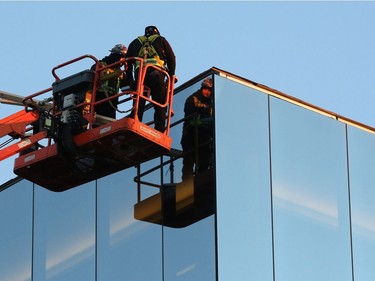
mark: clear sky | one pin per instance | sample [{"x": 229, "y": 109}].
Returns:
[{"x": 321, "y": 52}]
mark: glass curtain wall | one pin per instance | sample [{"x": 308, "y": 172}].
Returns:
[
  {"x": 283, "y": 204},
  {"x": 294, "y": 201}
]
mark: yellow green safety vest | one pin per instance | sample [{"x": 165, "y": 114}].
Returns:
[
  {"x": 110, "y": 79},
  {"x": 148, "y": 52}
]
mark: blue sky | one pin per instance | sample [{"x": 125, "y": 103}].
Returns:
[{"x": 319, "y": 52}]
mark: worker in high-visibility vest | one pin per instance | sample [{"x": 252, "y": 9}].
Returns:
[
  {"x": 155, "y": 50},
  {"x": 111, "y": 80}
]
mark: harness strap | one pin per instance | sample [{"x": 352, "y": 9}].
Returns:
[{"x": 148, "y": 52}]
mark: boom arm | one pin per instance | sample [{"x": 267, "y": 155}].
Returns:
[
  {"x": 21, "y": 145},
  {"x": 8, "y": 98},
  {"x": 18, "y": 124},
  {"x": 15, "y": 124},
  {"x": 16, "y": 127}
]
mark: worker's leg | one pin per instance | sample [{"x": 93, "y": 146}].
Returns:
[
  {"x": 142, "y": 102},
  {"x": 204, "y": 157},
  {"x": 105, "y": 108},
  {"x": 155, "y": 81}
]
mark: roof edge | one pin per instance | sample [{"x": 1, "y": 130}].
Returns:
[{"x": 273, "y": 92}]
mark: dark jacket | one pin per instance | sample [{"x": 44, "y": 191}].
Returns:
[
  {"x": 111, "y": 58},
  {"x": 109, "y": 87},
  {"x": 198, "y": 110},
  {"x": 118, "y": 82},
  {"x": 163, "y": 49}
]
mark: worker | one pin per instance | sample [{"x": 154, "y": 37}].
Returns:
[
  {"x": 155, "y": 50},
  {"x": 111, "y": 80},
  {"x": 197, "y": 132}
]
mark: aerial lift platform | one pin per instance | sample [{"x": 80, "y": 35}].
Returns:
[{"x": 63, "y": 143}]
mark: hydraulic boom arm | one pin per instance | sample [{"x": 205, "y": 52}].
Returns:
[{"x": 16, "y": 126}]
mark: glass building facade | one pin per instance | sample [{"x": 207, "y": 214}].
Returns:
[{"x": 290, "y": 199}]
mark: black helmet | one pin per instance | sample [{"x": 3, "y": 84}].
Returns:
[{"x": 151, "y": 30}]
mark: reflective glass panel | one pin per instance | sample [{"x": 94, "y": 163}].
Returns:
[
  {"x": 16, "y": 213},
  {"x": 128, "y": 248},
  {"x": 362, "y": 198},
  {"x": 243, "y": 187},
  {"x": 310, "y": 195},
  {"x": 190, "y": 251},
  {"x": 189, "y": 235},
  {"x": 65, "y": 234}
]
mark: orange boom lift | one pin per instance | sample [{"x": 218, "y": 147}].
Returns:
[{"x": 63, "y": 143}]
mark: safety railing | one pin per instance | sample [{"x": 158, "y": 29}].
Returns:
[
  {"x": 141, "y": 89},
  {"x": 133, "y": 95}
]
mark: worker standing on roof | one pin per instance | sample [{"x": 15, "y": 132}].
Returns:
[
  {"x": 155, "y": 50},
  {"x": 111, "y": 80},
  {"x": 197, "y": 131}
]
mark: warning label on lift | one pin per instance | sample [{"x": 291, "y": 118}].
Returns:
[
  {"x": 150, "y": 132},
  {"x": 24, "y": 143}
]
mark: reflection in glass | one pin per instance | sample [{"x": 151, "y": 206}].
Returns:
[
  {"x": 16, "y": 232},
  {"x": 65, "y": 234},
  {"x": 310, "y": 195},
  {"x": 176, "y": 129},
  {"x": 189, "y": 244},
  {"x": 243, "y": 186},
  {"x": 189, "y": 252},
  {"x": 128, "y": 249},
  {"x": 362, "y": 198}
]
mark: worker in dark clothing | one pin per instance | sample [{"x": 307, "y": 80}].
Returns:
[
  {"x": 197, "y": 131},
  {"x": 111, "y": 80},
  {"x": 155, "y": 50}
]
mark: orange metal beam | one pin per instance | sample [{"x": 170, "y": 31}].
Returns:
[
  {"x": 15, "y": 124},
  {"x": 21, "y": 145}
]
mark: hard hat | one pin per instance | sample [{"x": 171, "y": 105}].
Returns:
[
  {"x": 207, "y": 83},
  {"x": 119, "y": 49},
  {"x": 151, "y": 30}
]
